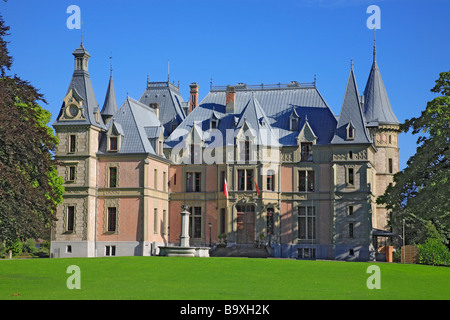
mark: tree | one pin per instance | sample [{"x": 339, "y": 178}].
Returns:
[
  {"x": 421, "y": 191},
  {"x": 30, "y": 188}
]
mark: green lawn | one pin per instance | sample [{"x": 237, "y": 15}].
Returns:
[{"x": 217, "y": 278}]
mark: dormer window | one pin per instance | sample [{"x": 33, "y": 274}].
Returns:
[
  {"x": 294, "y": 124},
  {"x": 113, "y": 143},
  {"x": 350, "y": 132},
  {"x": 294, "y": 120},
  {"x": 114, "y": 137},
  {"x": 213, "y": 124}
]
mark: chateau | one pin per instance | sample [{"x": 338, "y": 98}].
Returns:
[{"x": 269, "y": 164}]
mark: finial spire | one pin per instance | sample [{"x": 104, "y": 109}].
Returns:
[
  {"x": 374, "y": 44},
  {"x": 168, "y": 70},
  {"x": 81, "y": 28},
  {"x": 110, "y": 61}
]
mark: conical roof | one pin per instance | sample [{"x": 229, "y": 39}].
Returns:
[
  {"x": 110, "y": 104},
  {"x": 377, "y": 107},
  {"x": 351, "y": 115}
]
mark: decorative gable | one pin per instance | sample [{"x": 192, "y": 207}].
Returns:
[
  {"x": 72, "y": 107},
  {"x": 306, "y": 134}
]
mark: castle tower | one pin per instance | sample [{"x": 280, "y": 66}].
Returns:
[
  {"x": 352, "y": 176},
  {"x": 77, "y": 127},
  {"x": 383, "y": 126}
]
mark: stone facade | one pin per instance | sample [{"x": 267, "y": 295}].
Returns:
[{"x": 301, "y": 181}]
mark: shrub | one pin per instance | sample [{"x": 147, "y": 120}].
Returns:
[
  {"x": 433, "y": 251},
  {"x": 15, "y": 247},
  {"x": 29, "y": 246}
]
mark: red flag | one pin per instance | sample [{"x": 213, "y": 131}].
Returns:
[
  {"x": 257, "y": 189},
  {"x": 225, "y": 188}
]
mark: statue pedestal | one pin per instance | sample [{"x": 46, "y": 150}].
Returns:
[{"x": 184, "y": 249}]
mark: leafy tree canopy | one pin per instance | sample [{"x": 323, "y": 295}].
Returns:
[
  {"x": 421, "y": 191},
  {"x": 30, "y": 188}
]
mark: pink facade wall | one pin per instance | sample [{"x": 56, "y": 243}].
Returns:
[{"x": 129, "y": 222}]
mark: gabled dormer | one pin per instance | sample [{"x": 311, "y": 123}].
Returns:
[
  {"x": 294, "y": 120},
  {"x": 350, "y": 130},
  {"x": 114, "y": 136},
  {"x": 214, "y": 120},
  {"x": 306, "y": 139}
]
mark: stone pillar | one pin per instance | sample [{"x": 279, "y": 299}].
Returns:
[{"x": 184, "y": 237}]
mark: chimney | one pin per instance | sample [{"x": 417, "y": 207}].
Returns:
[
  {"x": 194, "y": 96},
  {"x": 231, "y": 96},
  {"x": 155, "y": 107}
]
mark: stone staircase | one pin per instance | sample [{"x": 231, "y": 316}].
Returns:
[{"x": 240, "y": 250}]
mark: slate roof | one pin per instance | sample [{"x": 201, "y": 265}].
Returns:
[
  {"x": 169, "y": 100},
  {"x": 110, "y": 104},
  {"x": 377, "y": 107},
  {"x": 139, "y": 125},
  {"x": 272, "y": 104},
  {"x": 351, "y": 114}
]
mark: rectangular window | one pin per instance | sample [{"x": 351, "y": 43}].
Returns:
[
  {"x": 244, "y": 150},
  {"x": 110, "y": 251},
  {"x": 155, "y": 179},
  {"x": 391, "y": 168},
  {"x": 72, "y": 170},
  {"x": 164, "y": 222},
  {"x": 194, "y": 153},
  {"x": 69, "y": 249},
  {"x": 70, "y": 218},
  {"x": 155, "y": 220},
  {"x": 306, "y": 152},
  {"x": 306, "y": 181},
  {"x": 198, "y": 182},
  {"x": 112, "y": 219},
  {"x": 195, "y": 222},
  {"x": 350, "y": 230},
  {"x": 306, "y": 253},
  {"x": 222, "y": 220},
  {"x": 249, "y": 179},
  {"x": 164, "y": 181},
  {"x": 350, "y": 210},
  {"x": 222, "y": 180},
  {"x": 113, "y": 143},
  {"x": 112, "y": 177},
  {"x": 72, "y": 143},
  {"x": 241, "y": 180},
  {"x": 245, "y": 180},
  {"x": 270, "y": 180},
  {"x": 351, "y": 176},
  {"x": 306, "y": 223},
  {"x": 193, "y": 181}
]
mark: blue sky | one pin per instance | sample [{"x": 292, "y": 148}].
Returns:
[{"x": 250, "y": 41}]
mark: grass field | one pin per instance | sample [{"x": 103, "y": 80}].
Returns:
[{"x": 217, "y": 279}]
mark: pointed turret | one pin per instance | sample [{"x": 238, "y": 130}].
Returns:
[
  {"x": 351, "y": 126},
  {"x": 110, "y": 105},
  {"x": 377, "y": 108},
  {"x": 80, "y": 105}
]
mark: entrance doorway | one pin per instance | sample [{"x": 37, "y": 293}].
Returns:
[{"x": 245, "y": 224}]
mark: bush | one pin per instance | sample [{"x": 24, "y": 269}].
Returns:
[
  {"x": 433, "y": 251},
  {"x": 29, "y": 246},
  {"x": 15, "y": 247}
]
